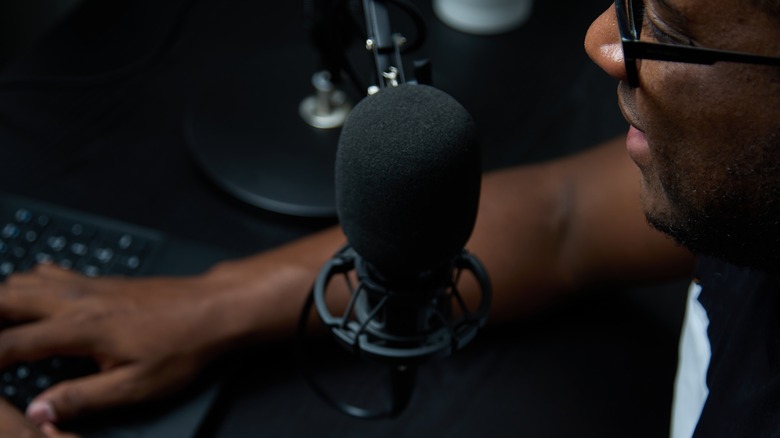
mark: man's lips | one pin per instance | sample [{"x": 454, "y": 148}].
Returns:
[
  {"x": 636, "y": 140},
  {"x": 637, "y": 147}
]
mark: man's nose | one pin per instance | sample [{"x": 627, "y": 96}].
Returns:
[{"x": 602, "y": 43}]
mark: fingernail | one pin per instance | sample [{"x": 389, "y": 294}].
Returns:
[{"x": 41, "y": 412}]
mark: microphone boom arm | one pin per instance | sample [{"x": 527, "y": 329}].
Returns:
[{"x": 384, "y": 45}]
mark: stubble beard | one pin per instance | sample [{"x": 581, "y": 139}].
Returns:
[{"x": 738, "y": 222}]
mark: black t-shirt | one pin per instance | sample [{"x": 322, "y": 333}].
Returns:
[{"x": 743, "y": 306}]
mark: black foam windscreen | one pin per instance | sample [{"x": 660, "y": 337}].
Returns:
[{"x": 408, "y": 171}]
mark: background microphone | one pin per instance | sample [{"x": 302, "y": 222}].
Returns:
[{"x": 408, "y": 174}]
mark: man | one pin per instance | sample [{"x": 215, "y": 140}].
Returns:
[
  {"x": 701, "y": 165},
  {"x": 708, "y": 156}
]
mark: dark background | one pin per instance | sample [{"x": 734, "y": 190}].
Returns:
[{"x": 94, "y": 95}]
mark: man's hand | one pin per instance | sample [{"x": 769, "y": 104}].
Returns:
[{"x": 149, "y": 336}]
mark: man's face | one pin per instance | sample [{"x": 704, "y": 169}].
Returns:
[{"x": 706, "y": 138}]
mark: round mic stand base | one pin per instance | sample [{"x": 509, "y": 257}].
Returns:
[{"x": 248, "y": 135}]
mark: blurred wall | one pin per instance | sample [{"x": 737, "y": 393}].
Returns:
[{"x": 22, "y": 21}]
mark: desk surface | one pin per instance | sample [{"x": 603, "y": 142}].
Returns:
[{"x": 601, "y": 366}]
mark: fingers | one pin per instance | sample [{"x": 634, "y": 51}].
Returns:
[
  {"x": 13, "y": 424},
  {"x": 35, "y": 341},
  {"x": 38, "y": 292},
  {"x": 97, "y": 392}
]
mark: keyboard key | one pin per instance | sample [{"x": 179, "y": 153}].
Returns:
[
  {"x": 130, "y": 263},
  {"x": 42, "y": 221},
  {"x": 9, "y": 391},
  {"x": 125, "y": 241},
  {"x": 10, "y": 231},
  {"x": 23, "y": 372},
  {"x": 57, "y": 243},
  {"x": 43, "y": 257},
  {"x": 42, "y": 382},
  {"x": 30, "y": 236},
  {"x": 23, "y": 216},
  {"x": 76, "y": 229},
  {"x": 104, "y": 255},
  {"x": 6, "y": 269},
  {"x": 79, "y": 249},
  {"x": 91, "y": 270}
]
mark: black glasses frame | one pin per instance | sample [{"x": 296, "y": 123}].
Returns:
[{"x": 630, "y": 18}]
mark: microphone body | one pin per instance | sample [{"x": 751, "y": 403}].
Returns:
[{"x": 408, "y": 174}]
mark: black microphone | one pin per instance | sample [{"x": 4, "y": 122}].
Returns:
[
  {"x": 408, "y": 172},
  {"x": 407, "y": 179}
]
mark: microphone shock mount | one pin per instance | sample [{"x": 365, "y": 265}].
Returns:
[{"x": 400, "y": 324}]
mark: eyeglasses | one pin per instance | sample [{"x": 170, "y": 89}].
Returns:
[{"x": 630, "y": 16}]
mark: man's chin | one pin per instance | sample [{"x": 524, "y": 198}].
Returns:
[{"x": 705, "y": 238}]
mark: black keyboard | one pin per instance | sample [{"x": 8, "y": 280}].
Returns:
[{"x": 32, "y": 232}]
